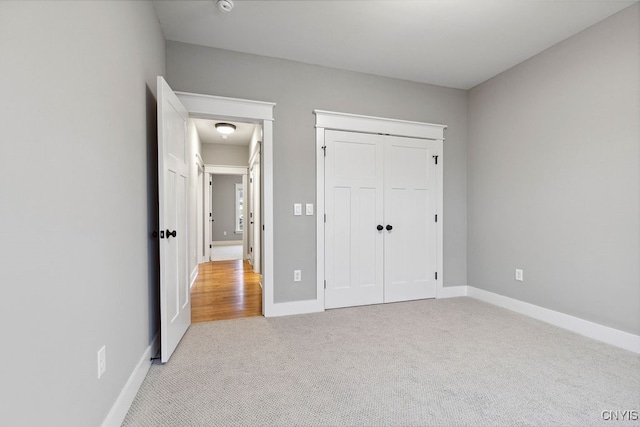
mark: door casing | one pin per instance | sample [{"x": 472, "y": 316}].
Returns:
[{"x": 217, "y": 107}]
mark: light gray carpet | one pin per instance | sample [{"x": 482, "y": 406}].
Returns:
[{"x": 457, "y": 361}]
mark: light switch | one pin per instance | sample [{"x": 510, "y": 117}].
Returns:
[
  {"x": 297, "y": 208},
  {"x": 309, "y": 208}
]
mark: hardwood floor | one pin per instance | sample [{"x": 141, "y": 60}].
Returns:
[{"x": 225, "y": 290}]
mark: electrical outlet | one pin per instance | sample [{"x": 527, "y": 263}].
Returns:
[
  {"x": 519, "y": 275},
  {"x": 102, "y": 361},
  {"x": 297, "y": 275},
  {"x": 297, "y": 208},
  {"x": 224, "y": 233},
  {"x": 309, "y": 209}
]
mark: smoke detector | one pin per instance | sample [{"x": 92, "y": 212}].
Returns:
[{"x": 225, "y": 5}]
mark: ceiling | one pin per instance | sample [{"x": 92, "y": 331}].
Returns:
[
  {"x": 209, "y": 135},
  {"x": 452, "y": 43}
]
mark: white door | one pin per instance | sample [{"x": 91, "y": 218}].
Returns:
[
  {"x": 409, "y": 216},
  {"x": 354, "y": 209},
  {"x": 175, "y": 301}
]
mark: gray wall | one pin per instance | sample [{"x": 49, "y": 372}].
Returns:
[
  {"x": 77, "y": 163},
  {"x": 554, "y": 177},
  {"x": 223, "y": 200},
  {"x": 225, "y": 155},
  {"x": 298, "y": 89}
]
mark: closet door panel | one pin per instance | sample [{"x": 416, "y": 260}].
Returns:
[
  {"x": 354, "y": 207},
  {"x": 410, "y": 207}
]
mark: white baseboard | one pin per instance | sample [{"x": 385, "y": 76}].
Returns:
[
  {"x": 193, "y": 276},
  {"x": 291, "y": 308},
  {"x": 226, "y": 242},
  {"x": 589, "y": 329},
  {"x": 451, "y": 291},
  {"x": 119, "y": 410}
]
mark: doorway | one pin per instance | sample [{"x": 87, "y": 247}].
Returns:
[{"x": 229, "y": 283}]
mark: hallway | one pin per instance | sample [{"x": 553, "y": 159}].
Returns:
[{"x": 225, "y": 290}]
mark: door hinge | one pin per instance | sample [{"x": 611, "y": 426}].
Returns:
[
  {"x": 436, "y": 217},
  {"x": 251, "y": 180},
  {"x": 325, "y": 218},
  {"x": 436, "y": 159},
  {"x": 263, "y": 228},
  {"x": 210, "y": 246},
  {"x": 324, "y": 148},
  {"x": 325, "y": 284},
  {"x": 210, "y": 183},
  {"x": 436, "y": 275}
]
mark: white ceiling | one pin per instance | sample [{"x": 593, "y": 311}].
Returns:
[
  {"x": 209, "y": 135},
  {"x": 452, "y": 43}
]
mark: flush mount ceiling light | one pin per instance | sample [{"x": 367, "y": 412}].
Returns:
[
  {"x": 225, "y": 128},
  {"x": 225, "y": 5}
]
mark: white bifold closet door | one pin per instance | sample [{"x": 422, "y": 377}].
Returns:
[{"x": 380, "y": 233}]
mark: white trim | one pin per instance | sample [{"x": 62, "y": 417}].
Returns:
[
  {"x": 452, "y": 291},
  {"x": 216, "y": 107},
  {"x": 226, "y": 242},
  {"x": 225, "y": 170},
  {"x": 370, "y": 124},
  {"x": 193, "y": 276},
  {"x": 589, "y": 329},
  {"x": 266, "y": 217},
  {"x": 320, "y": 210},
  {"x": 296, "y": 307},
  {"x": 119, "y": 410},
  {"x": 204, "y": 106}
]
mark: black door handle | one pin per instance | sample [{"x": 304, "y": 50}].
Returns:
[
  {"x": 379, "y": 227},
  {"x": 171, "y": 233},
  {"x": 389, "y": 227}
]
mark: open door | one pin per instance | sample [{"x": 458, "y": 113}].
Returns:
[{"x": 173, "y": 172}]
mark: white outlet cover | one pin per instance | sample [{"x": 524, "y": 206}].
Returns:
[
  {"x": 309, "y": 209},
  {"x": 297, "y": 275},
  {"x": 519, "y": 275},
  {"x": 297, "y": 208}
]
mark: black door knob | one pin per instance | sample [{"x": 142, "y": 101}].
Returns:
[
  {"x": 171, "y": 233},
  {"x": 379, "y": 227},
  {"x": 389, "y": 227}
]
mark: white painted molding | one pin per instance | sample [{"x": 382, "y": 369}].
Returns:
[
  {"x": 296, "y": 307},
  {"x": 119, "y": 410},
  {"x": 320, "y": 211},
  {"x": 225, "y": 170},
  {"x": 226, "y": 242},
  {"x": 452, "y": 291},
  {"x": 193, "y": 276},
  {"x": 217, "y": 107},
  {"x": 204, "y": 106},
  {"x": 589, "y": 329},
  {"x": 369, "y": 124}
]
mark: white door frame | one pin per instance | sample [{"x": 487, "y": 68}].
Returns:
[
  {"x": 216, "y": 107},
  {"x": 330, "y": 120},
  {"x": 227, "y": 170}
]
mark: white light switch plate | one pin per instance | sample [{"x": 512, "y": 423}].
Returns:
[
  {"x": 297, "y": 208},
  {"x": 309, "y": 209}
]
